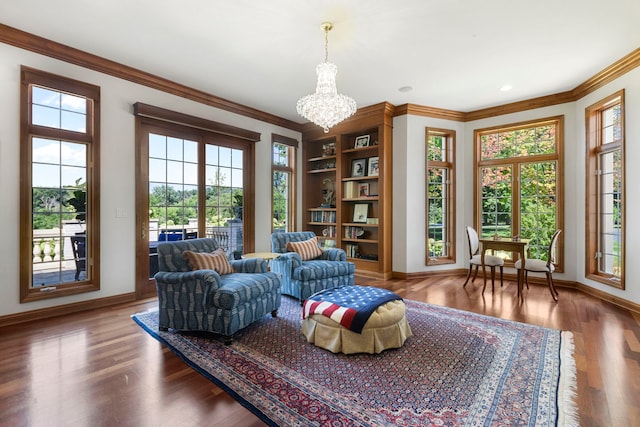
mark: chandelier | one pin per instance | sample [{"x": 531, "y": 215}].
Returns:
[{"x": 326, "y": 107}]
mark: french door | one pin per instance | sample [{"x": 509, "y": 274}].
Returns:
[{"x": 190, "y": 183}]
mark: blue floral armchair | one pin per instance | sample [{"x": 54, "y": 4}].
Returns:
[
  {"x": 203, "y": 300},
  {"x": 302, "y": 279}
]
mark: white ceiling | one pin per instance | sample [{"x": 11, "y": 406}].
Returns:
[{"x": 455, "y": 54}]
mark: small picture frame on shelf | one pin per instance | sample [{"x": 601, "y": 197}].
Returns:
[
  {"x": 358, "y": 167},
  {"x": 363, "y": 189},
  {"x": 373, "y": 166},
  {"x": 360, "y": 212},
  {"x": 362, "y": 141},
  {"x": 329, "y": 149}
]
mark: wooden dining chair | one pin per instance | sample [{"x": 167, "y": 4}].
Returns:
[
  {"x": 543, "y": 266},
  {"x": 475, "y": 259}
]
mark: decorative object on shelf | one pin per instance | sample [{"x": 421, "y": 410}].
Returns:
[
  {"x": 353, "y": 232},
  {"x": 362, "y": 141},
  {"x": 326, "y": 107},
  {"x": 358, "y": 167},
  {"x": 360, "y": 212},
  {"x": 372, "y": 167},
  {"x": 329, "y": 149},
  {"x": 328, "y": 194},
  {"x": 363, "y": 189},
  {"x": 372, "y": 221},
  {"x": 330, "y": 165},
  {"x": 329, "y": 231}
]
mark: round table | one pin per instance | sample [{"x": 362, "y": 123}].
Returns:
[{"x": 264, "y": 255}]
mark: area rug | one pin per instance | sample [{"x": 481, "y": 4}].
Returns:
[{"x": 458, "y": 369}]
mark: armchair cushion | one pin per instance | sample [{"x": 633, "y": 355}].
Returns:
[
  {"x": 308, "y": 249},
  {"x": 319, "y": 269},
  {"x": 216, "y": 260}
]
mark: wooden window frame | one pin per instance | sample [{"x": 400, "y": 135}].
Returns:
[
  {"x": 91, "y": 138},
  {"x": 290, "y": 169},
  {"x": 449, "y": 164},
  {"x": 514, "y": 163},
  {"x": 594, "y": 149}
]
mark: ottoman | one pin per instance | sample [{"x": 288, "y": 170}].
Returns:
[{"x": 386, "y": 328}]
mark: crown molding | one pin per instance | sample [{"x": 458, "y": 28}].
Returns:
[
  {"x": 609, "y": 74},
  {"x": 40, "y": 45},
  {"x": 46, "y": 47}
]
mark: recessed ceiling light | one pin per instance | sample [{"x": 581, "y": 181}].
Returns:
[
  {"x": 405, "y": 89},
  {"x": 506, "y": 88}
]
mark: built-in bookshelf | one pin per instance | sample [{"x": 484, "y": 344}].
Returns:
[{"x": 353, "y": 162}]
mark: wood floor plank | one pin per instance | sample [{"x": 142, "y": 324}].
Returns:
[{"x": 99, "y": 368}]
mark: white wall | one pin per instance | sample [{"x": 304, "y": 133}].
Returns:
[
  {"x": 409, "y": 247},
  {"x": 117, "y": 180},
  {"x": 117, "y": 172},
  {"x": 408, "y": 185}
]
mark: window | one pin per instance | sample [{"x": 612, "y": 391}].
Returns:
[
  {"x": 59, "y": 202},
  {"x": 520, "y": 190},
  {"x": 283, "y": 183},
  {"x": 605, "y": 191},
  {"x": 440, "y": 203}
]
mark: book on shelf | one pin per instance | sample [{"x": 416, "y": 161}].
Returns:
[
  {"x": 328, "y": 244},
  {"x": 350, "y": 190},
  {"x": 322, "y": 216},
  {"x": 351, "y": 250}
]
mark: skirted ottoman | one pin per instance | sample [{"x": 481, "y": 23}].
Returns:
[{"x": 355, "y": 319}]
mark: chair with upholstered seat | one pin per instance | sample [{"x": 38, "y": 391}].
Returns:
[
  {"x": 475, "y": 259},
  {"x": 310, "y": 270},
  {"x": 199, "y": 289},
  {"x": 543, "y": 266}
]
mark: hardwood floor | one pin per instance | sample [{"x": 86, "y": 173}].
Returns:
[{"x": 99, "y": 368}]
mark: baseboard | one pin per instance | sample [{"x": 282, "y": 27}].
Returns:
[
  {"x": 621, "y": 302},
  {"x": 46, "y": 313},
  {"x": 49, "y": 312},
  {"x": 426, "y": 274}
]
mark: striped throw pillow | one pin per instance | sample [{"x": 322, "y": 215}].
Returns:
[
  {"x": 307, "y": 249},
  {"x": 216, "y": 260}
]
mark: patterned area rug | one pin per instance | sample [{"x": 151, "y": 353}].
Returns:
[{"x": 458, "y": 369}]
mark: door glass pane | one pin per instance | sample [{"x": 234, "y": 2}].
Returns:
[
  {"x": 225, "y": 201},
  {"x": 173, "y": 192}
]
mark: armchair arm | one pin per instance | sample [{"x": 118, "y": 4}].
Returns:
[
  {"x": 249, "y": 265},
  {"x": 285, "y": 264},
  {"x": 291, "y": 258},
  {"x": 334, "y": 254},
  {"x": 185, "y": 291}
]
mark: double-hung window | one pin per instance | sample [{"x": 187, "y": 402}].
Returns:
[
  {"x": 283, "y": 183},
  {"x": 440, "y": 200},
  {"x": 605, "y": 191},
  {"x": 59, "y": 201}
]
